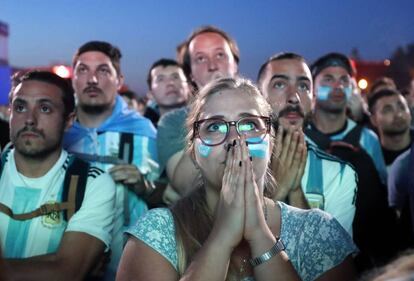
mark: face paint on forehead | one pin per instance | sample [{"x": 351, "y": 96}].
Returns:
[
  {"x": 204, "y": 150},
  {"x": 323, "y": 92},
  {"x": 258, "y": 150}
]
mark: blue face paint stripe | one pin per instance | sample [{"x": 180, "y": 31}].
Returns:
[
  {"x": 204, "y": 150},
  {"x": 323, "y": 92},
  {"x": 348, "y": 92},
  {"x": 258, "y": 150}
]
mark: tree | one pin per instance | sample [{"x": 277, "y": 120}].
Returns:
[{"x": 402, "y": 66}]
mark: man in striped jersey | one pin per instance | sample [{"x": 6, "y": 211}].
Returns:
[
  {"x": 38, "y": 241},
  {"x": 111, "y": 136},
  {"x": 306, "y": 176}
]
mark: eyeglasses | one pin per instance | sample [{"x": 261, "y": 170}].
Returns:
[{"x": 214, "y": 131}]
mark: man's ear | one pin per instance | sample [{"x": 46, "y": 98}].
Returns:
[
  {"x": 121, "y": 81},
  {"x": 373, "y": 120},
  {"x": 70, "y": 119}
]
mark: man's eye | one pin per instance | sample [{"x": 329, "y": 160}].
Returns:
[
  {"x": 19, "y": 108},
  {"x": 220, "y": 55},
  {"x": 386, "y": 110},
  {"x": 200, "y": 59},
  {"x": 303, "y": 87},
  {"x": 345, "y": 81},
  {"x": 327, "y": 79},
  {"x": 81, "y": 69},
  {"x": 279, "y": 85},
  {"x": 104, "y": 71},
  {"x": 175, "y": 77},
  {"x": 160, "y": 78},
  {"x": 45, "y": 109}
]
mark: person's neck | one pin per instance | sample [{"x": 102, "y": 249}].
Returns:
[
  {"x": 90, "y": 120},
  {"x": 165, "y": 109},
  {"x": 34, "y": 167},
  {"x": 395, "y": 142},
  {"x": 329, "y": 122}
]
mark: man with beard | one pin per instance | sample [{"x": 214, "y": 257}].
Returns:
[
  {"x": 168, "y": 86},
  {"x": 209, "y": 53},
  {"x": 306, "y": 176},
  {"x": 390, "y": 115},
  {"x": 332, "y": 88},
  {"x": 41, "y": 238},
  {"x": 111, "y": 136}
]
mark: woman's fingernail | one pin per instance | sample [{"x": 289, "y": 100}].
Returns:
[
  {"x": 240, "y": 163},
  {"x": 251, "y": 158},
  {"x": 228, "y": 147},
  {"x": 234, "y": 143}
]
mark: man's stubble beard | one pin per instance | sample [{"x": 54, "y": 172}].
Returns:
[{"x": 35, "y": 153}]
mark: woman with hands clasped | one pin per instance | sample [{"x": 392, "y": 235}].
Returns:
[{"x": 226, "y": 229}]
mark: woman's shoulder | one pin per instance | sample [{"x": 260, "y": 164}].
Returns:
[
  {"x": 313, "y": 223},
  {"x": 316, "y": 235},
  {"x": 154, "y": 220},
  {"x": 156, "y": 229}
]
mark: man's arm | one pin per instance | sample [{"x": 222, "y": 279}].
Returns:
[{"x": 78, "y": 253}]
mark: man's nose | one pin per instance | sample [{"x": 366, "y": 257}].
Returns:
[
  {"x": 293, "y": 96},
  {"x": 31, "y": 118},
  {"x": 212, "y": 65},
  {"x": 92, "y": 78}
]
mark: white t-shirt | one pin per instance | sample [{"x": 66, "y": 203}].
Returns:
[
  {"x": 42, "y": 235},
  {"x": 338, "y": 183}
]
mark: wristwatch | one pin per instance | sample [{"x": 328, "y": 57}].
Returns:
[{"x": 277, "y": 248}]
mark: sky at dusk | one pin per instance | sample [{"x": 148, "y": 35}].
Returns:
[{"x": 43, "y": 32}]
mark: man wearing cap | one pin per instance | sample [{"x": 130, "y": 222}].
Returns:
[
  {"x": 331, "y": 130},
  {"x": 332, "y": 88}
]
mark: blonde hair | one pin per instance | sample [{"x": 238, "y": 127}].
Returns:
[{"x": 191, "y": 214}]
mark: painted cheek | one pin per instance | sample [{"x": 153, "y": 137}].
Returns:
[
  {"x": 258, "y": 150},
  {"x": 323, "y": 92},
  {"x": 348, "y": 92},
  {"x": 204, "y": 150}
]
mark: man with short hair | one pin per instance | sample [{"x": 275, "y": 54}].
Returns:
[
  {"x": 112, "y": 136},
  {"x": 315, "y": 179},
  {"x": 390, "y": 115},
  {"x": 44, "y": 236},
  {"x": 168, "y": 85},
  {"x": 209, "y": 53}
]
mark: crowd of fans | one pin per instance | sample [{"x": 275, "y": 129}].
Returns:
[{"x": 296, "y": 176}]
